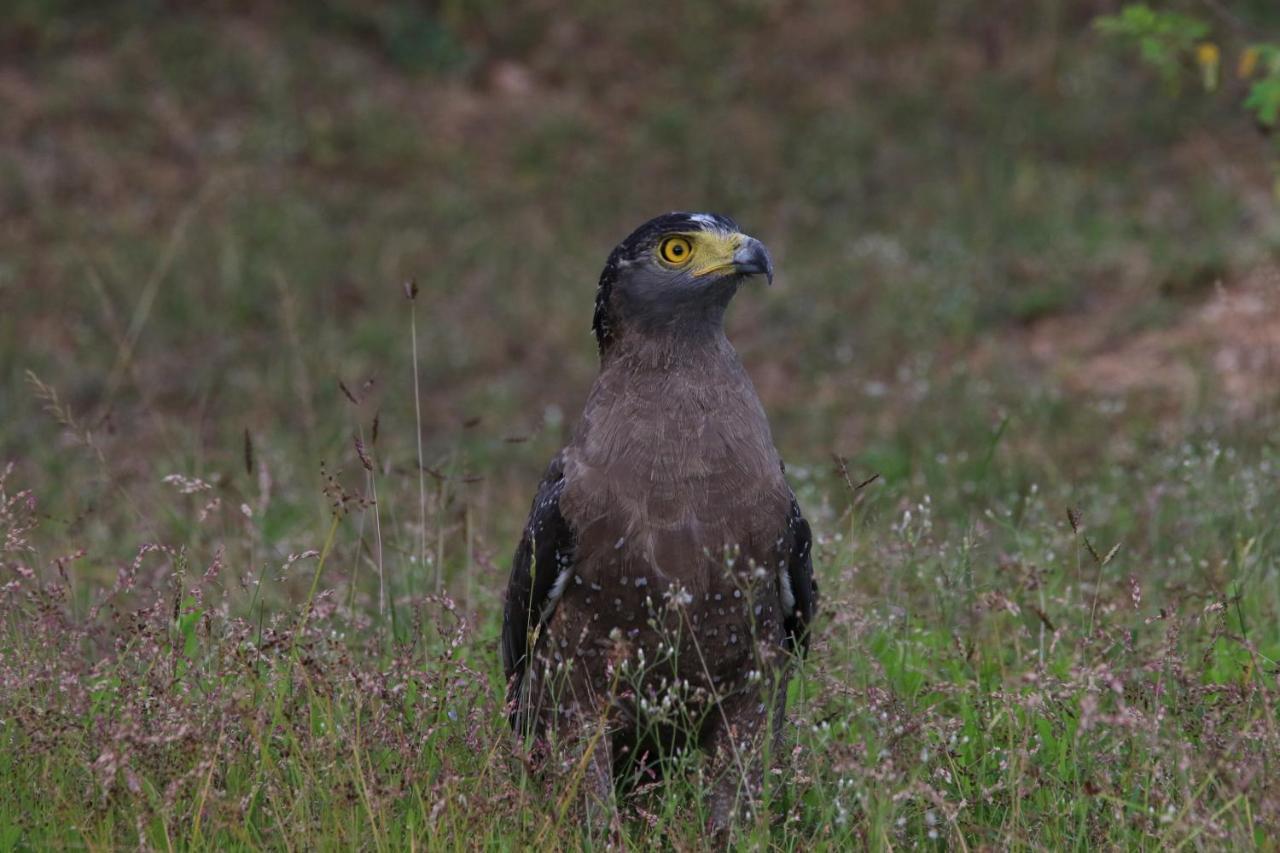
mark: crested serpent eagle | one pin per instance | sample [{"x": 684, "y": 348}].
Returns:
[{"x": 663, "y": 585}]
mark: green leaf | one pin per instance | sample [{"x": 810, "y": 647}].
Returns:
[
  {"x": 1163, "y": 39},
  {"x": 1264, "y": 100},
  {"x": 187, "y": 623}
]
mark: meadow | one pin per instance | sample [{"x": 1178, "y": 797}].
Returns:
[{"x": 295, "y": 305}]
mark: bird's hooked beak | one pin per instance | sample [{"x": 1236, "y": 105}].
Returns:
[{"x": 752, "y": 258}]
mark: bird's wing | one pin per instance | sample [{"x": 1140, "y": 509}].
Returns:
[
  {"x": 539, "y": 570},
  {"x": 798, "y": 587}
]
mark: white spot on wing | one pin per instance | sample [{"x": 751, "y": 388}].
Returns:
[
  {"x": 557, "y": 591},
  {"x": 788, "y": 595}
]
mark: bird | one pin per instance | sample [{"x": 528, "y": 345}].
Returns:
[{"x": 662, "y": 592}]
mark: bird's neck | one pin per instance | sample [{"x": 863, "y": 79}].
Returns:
[
  {"x": 637, "y": 321},
  {"x": 663, "y": 342}
]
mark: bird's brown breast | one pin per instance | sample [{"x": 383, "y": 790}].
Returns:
[{"x": 676, "y": 496}]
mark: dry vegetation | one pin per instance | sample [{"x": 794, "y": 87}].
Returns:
[
  {"x": 1227, "y": 346},
  {"x": 1017, "y": 281}
]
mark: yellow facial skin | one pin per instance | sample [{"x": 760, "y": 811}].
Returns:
[{"x": 700, "y": 252}]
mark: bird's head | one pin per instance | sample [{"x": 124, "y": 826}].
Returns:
[{"x": 676, "y": 270}]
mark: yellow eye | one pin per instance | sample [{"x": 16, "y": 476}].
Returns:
[{"x": 676, "y": 250}]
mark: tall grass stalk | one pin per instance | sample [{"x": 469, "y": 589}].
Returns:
[
  {"x": 411, "y": 291},
  {"x": 371, "y": 478}
]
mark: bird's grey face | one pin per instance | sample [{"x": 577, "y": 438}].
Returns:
[
  {"x": 691, "y": 259},
  {"x": 677, "y": 266}
]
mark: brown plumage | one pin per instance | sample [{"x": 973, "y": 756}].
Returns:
[{"x": 664, "y": 578}]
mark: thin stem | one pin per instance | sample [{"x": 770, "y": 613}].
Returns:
[
  {"x": 417, "y": 411},
  {"x": 377, "y": 532},
  {"x": 440, "y": 516}
]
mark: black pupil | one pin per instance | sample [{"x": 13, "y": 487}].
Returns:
[{"x": 677, "y": 250}]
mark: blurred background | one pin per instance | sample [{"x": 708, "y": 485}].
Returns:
[
  {"x": 1008, "y": 254},
  {"x": 1025, "y": 274}
]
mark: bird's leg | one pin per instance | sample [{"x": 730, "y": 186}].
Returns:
[
  {"x": 601, "y": 804},
  {"x": 733, "y": 740},
  {"x": 778, "y": 735}
]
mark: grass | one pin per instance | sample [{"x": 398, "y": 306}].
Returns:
[
  {"x": 214, "y": 637},
  {"x": 1001, "y": 679}
]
